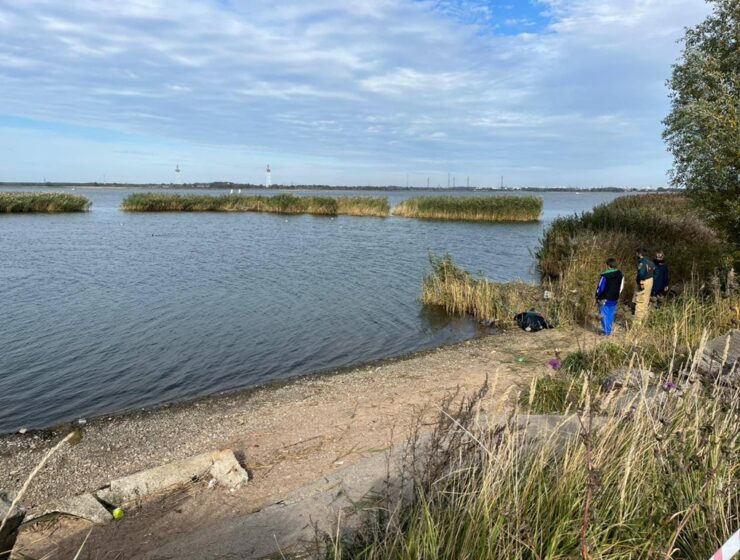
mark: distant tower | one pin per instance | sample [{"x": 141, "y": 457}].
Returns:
[{"x": 268, "y": 179}]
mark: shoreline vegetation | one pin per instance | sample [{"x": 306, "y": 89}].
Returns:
[
  {"x": 650, "y": 471},
  {"x": 42, "y": 203},
  {"x": 472, "y": 208},
  {"x": 464, "y": 208},
  {"x": 281, "y": 203},
  {"x": 461, "y": 293}
]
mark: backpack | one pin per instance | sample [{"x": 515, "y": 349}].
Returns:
[{"x": 531, "y": 321}]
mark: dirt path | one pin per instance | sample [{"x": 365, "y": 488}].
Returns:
[{"x": 289, "y": 436}]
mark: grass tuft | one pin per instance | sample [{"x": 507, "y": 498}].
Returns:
[
  {"x": 460, "y": 293},
  {"x": 42, "y": 202},
  {"x": 472, "y": 208}
]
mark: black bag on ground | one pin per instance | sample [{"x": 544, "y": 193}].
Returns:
[{"x": 531, "y": 321}]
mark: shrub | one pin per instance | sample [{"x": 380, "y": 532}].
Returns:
[{"x": 655, "y": 221}]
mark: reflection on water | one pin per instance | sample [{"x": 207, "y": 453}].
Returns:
[{"x": 109, "y": 311}]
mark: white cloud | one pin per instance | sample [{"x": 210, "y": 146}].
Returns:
[{"x": 375, "y": 85}]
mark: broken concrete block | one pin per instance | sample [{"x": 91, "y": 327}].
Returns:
[
  {"x": 9, "y": 532},
  {"x": 631, "y": 378},
  {"x": 227, "y": 471},
  {"x": 135, "y": 487},
  {"x": 85, "y": 506},
  {"x": 721, "y": 358}
]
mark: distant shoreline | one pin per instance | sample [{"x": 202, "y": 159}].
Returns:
[{"x": 220, "y": 185}]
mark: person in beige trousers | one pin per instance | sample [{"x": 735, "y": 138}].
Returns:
[{"x": 641, "y": 299}]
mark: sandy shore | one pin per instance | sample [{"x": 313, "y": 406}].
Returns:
[{"x": 289, "y": 435}]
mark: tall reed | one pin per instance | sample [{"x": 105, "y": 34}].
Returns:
[
  {"x": 460, "y": 293},
  {"x": 363, "y": 206},
  {"x": 281, "y": 203},
  {"x": 472, "y": 208},
  {"x": 42, "y": 202}
]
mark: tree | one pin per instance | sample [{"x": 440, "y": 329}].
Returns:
[{"x": 702, "y": 128}]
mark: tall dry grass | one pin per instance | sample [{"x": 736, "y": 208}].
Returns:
[
  {"x": 666, "y": 222},
  {"x": 461, "y": 293},
  {"x": 42, "y": 202},
  {"x": 281, "y": 203},
  {"x": 472, "y": 208},
  {"x": 363, "y": 206},
  {"x": 655, "y": 476},
  {"x": 664, "y": 345}
]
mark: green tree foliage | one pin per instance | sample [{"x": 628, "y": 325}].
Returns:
[{"x": 702, "y": 128}]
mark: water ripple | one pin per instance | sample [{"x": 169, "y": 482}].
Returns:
[{"x": 108, "y": 311}]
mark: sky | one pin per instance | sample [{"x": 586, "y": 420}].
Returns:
[{"x": 339, "y": 92}]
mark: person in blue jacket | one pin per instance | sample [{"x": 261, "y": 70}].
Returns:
[
  {"x": 660, "y": 276},
  {"x": 610, "y": 286}
]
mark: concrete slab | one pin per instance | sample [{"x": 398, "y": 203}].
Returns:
[
  {"x": 721, "y": 358},
  {"x": 221, "y": 465},
  {"x": 290, "y": 527},
  {"x": 85, "y": 506}
]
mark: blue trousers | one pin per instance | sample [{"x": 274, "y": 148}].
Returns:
[{"x": 608, "y": 311}]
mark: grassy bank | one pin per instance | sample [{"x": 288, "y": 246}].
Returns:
[
  {"x": 573, "y": 249},
  {"x": 281, "y": 203},
  {"x": 652, "y": 468},
  {"x": 472, "y": 208},
  {"x": 665, "y": 346},
  {"x": 43, "y": 203},
  {"x": 659, "y": 482}
]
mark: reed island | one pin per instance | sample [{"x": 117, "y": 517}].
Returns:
[
  {"x": 42, "y": 203},
  {"x": 281, "y": 204},
  {"x": 472, "y": 208}
]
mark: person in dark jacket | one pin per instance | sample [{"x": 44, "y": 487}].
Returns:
[
  {"x": 660, "y": 276},
  {"x": 610, "y": 286},
  {"x": 644, "y": 287}
]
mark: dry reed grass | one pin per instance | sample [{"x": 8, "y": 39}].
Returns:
[
  {"x": 42, "y": 202},
  {"x": 460, "y": 293},
  {"x": 654, "y": 476},
  {"x": 472, "y": 208},
  {"x": 281, "y": 203}
]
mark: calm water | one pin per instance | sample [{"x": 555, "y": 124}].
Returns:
[{"x": 108, "y": 311}]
